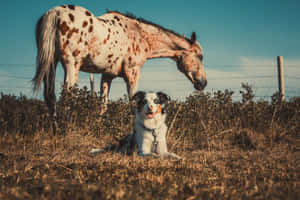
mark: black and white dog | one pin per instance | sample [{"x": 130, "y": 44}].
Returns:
[{"x": 150, "y": 130}]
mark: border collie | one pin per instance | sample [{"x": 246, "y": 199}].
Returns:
[{"x": 150, "y": 130}]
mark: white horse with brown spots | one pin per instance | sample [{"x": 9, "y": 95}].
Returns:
[{"x": 114, "y": 44}]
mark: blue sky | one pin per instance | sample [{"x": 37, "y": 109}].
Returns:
[{"x": 240, "y": 38}]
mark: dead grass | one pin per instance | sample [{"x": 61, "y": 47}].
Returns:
[{"x": 243, "y": 150}]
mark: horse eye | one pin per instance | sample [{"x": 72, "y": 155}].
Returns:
[
  {"x": 200, "y": 57},
  {"x": 156, "y": 101}
]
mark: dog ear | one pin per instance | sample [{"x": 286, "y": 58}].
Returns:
[
  {"x": 139, "y": 96},
  {"x": 163, "y": 98}
]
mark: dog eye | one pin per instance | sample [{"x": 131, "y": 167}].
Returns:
[{"x": 156, "y": 101}]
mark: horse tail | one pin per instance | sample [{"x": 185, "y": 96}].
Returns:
[{"x": 45, "y": 33}]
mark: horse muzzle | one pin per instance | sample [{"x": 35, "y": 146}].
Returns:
[{"x": 200, "y": 84}]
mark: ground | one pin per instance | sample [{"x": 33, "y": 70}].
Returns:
[{"x": 248, "y": 155}]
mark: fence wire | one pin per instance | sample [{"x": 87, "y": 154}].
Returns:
[{"x": 10, "y": 83}]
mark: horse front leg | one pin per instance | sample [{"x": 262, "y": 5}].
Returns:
[
  {"x": 71, "y": 76},
  {"x": 104, "y": 91},
  {"x": 132, "y": 76}
]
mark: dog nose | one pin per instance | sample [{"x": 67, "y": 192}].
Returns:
[{"x": 150, "y": 108}]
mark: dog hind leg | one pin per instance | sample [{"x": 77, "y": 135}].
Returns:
[
  {"x": 96, "y": 151},
  {"x": 129, "y": 144}
]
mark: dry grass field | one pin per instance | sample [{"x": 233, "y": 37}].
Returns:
[{"x": 232, "y": 150}]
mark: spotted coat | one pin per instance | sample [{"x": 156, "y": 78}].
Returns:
[{"x": 106, "y": 44}]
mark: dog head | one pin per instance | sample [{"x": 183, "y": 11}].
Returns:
[{"x": 150, "y": 104}]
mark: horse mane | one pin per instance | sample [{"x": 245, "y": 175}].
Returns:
[{"x": 142, "y": 20}]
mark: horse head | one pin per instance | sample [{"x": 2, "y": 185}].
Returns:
[{"x": 190, "y": 63}]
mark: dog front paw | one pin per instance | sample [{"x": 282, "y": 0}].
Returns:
[
  {"x": 172, "y": 156},
  {"x": 149, "y": 155}
]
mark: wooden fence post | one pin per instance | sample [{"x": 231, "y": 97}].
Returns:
[
  {"x": 280, "y": 77},
  {"x": 92, "y": 84}
]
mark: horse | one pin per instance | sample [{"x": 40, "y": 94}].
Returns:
[{"x": 114, "y": 44}]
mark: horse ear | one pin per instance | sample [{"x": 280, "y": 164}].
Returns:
[
  {"x": 193, "y": 38},
  {"x": 139, "y": 96},
  {"x": 163, "y": 98}
]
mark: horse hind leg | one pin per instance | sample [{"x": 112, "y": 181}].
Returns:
[{"x": 49, "y": 95}]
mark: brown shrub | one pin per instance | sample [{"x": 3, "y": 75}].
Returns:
[{"x": 232, "y": 150}]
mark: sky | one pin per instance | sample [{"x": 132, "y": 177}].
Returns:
[{"x": 240, "y": 38}]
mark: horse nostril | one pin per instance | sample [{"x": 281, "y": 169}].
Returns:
[
  {"x": 204, "y": 83},
  {"x": 200, "y": 84}
]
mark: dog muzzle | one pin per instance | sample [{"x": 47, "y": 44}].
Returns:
[{"x": 151, "y": 115}]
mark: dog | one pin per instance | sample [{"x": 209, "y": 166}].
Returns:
[{"x": 150, "y": 130}]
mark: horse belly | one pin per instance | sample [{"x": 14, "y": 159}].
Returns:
[
  {"x": 108, "y": 54},
  {"x": 104, "y": 63}
]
